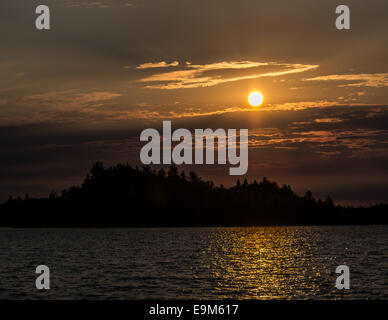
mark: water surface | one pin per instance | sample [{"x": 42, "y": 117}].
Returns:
[{"x": 196, "y": 263}]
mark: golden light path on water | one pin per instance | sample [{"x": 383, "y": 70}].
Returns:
[{"x": 266, "y": 263}]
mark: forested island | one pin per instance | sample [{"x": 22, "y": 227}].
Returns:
[{"x": 123, "y": 196}]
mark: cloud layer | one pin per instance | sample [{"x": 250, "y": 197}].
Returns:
[
  {"x": 194, "y": 76},
  {"x": 376, "y": 80}
]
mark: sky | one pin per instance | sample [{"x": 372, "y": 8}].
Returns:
[{"x": 83, "y": 91}]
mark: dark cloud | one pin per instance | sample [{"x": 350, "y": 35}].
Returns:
[{"x": 288, "y": 146}]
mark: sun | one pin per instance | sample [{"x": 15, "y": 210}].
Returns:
[{"x": 255, "y": 98}]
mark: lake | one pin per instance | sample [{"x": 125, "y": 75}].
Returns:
[{"x": 196, "y": 263}]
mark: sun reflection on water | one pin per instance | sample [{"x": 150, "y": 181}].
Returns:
[{"x": 262, "y": 263}]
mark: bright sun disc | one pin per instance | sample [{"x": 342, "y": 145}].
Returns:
[{"x": 255, "y": 99}]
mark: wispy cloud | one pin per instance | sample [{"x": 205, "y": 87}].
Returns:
[
  {"x": 328, "y": 120},
  {"x": 72, "y": 99},
  {"x": 161, "y": 64},
  {"x": 194, "y": 76},
  {"x": 93, "y": 4},
  {"x": 326, "y": 142},
  {"x": 302, "y": 105},
  {"x": 377, "y": 80},
  {"x": 146, "y": 113}
]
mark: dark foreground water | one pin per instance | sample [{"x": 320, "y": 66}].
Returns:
[{"x": 203, "y": 263}]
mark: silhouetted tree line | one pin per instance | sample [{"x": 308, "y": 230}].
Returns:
[{"x": 123, "y": 196}]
